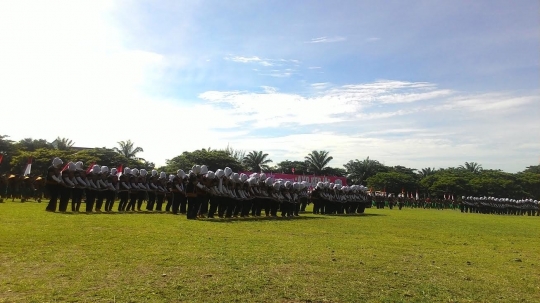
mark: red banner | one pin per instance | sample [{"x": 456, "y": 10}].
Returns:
[{"x": 309, "y": 179}]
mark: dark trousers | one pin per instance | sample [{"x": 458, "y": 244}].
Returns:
[
  {"x": 274, "y": 206},
  {"x": 183, "y": 205},
  {"x": 214, "y": 203},
  {"x": 266, "y": 206},
  {"x": 237, "y": 207},
  {"x": 65, "y": 194},
  {"x": 222, "y": 206},
  {"x": 151, "y": 200},
  {"x": 159, "y": 202},
  {"x": 76, "y": 198},
  {"x": 124, "y": 196},
  {"x": 204, "y": 205},
  {"x": 100, "y": 196},
  {"x": 132, "y": 201},
  {"x": 177, "y": 199},
  {"x": 193, "y": 206},
  {"x": 303, "y": 205},
  {"x": 90, "y": 199},
  {"x": 169, "y": 198},
  {"x": 296, "y": 211},
  {"x": 109, "y": 200},
  {"x": 231, "y": 204},
  {"x": 54, "y": 193},
  {"x": 283, "y": 208},
  {"x": 140, "y": 198},
  {"x": 246, "y": 207}
]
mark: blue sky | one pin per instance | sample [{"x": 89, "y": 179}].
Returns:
[{"x": 414, "y": 83}]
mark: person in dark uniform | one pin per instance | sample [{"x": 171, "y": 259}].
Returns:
[
  {"x": 67, "y": 188},
  {"x": 134, "y": 191},
  {"x": 169, "y": 193},
  {"x": 80, "y": 184},
  {"x": 161, "y": 191},
  {"x": 191, "y": 194},
  {"x": 54, "y": 183},
  {"x": 182, "y": 182},
  {"x": 212, "y": 182},
  {"x": 142, "y": 188},
  {"x": 92, "y": 188},
  {"x": 151, "y": 184},
  {"x": 123, "y": 189},
  {"x": 112, "y": 188},
  {"x": 177, "y": 193},
  {"x": 203, "y": 195},
  {"x": 221, "y": 196},
  {"x": 102, "y": 187}
]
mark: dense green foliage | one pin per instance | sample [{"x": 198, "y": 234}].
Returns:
[{"x": 413, "y": 255}]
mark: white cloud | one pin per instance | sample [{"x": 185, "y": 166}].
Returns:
[
  {"x": 68, "y": 73},
  {"x": 327, "y": 39}
]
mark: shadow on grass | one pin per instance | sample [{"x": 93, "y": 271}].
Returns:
[
  {"x": 143, "y": 212},
  {"x": 356, "y": 215},
  {"x": 261, "y": 219}
]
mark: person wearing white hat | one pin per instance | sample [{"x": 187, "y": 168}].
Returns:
[
  {"x": 54, "y": 183},
  {"x": 143, "y": 188},
  {"x": 67, "y": 186},
  {"x": 80, "y": 184},
  {"x": 124, "y": 187},
  {"x": 161, "y": 191},
  {"x": 92, "y": 187},
  {"x": 134, "y": 191},
  {"x": 103, "y": 187},
  {"x": 112, "y": 189},
  {"x": 152, "y": 190}
]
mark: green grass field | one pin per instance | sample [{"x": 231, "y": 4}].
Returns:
[{"x": 413, "y": 255}]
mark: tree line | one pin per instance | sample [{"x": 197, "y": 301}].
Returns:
[{"x": 467, "y": 179}]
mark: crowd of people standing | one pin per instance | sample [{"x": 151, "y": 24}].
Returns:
[{"x": 198, "y": 193}]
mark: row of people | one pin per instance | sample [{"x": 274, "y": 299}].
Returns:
[
  {"x": 501, "y": 206},
  {"x": 198, "y": 193}
]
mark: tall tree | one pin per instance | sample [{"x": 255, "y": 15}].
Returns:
[
  {"x": 425, "y": 172},
  {"x": 359, "y": 171},
  {"x": 473, "y": 167},
  {"x": 392, "y": 182},
  {"x": 300, "y": 167},
  {"x": 63, "y": 143},
  {"x": 318, "y": 160},
  {"x": 128, "y": 150},
  {"x": 7, "y": 149},
  {"x": 215, "y": 159},
  {"x": 256, "y": 161},
  {"x": 535, "y": 169},
  {"x": 29, "y": 144}
]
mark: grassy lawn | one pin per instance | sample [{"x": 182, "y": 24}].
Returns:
[{"x": 413, "y": 255}]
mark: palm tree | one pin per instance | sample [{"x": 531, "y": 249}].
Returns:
[
  {"x": 63, "y": 143},
  {"x": 473, "y": 167},
  {"x": 318, "y": 160},
  {"x": 127, "y": 150},
  {"x": 426, "y": 172},
  {"x": 257, "y": 161}
]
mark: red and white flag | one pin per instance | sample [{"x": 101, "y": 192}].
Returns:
[
  {"x": 89, "y": 169},
  {"x": 28, "y": 168},
  {"x": 292, "y": 170}
]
